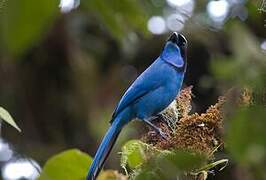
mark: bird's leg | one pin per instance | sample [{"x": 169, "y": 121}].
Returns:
[
  {"x": 159, "y": 116},
  {"x": 156, "y": 129},
  {"x": 164, "y": 120},
  {"x": 152, "y": 118},
  {"x": 169, "y": 122}
]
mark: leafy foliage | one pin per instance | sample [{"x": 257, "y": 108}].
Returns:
[
  {"x": 168, "y": 165},
  {"x": 159, "y": 164},
  {"x": 246, "y": 57},
  {"x": 133, "y": 154},
  {"x": 22, "y": 23},
  {"x": 248, "y": 147},
  {"x": 119, "y": 17},
  {"x": 245, "y": 68}
]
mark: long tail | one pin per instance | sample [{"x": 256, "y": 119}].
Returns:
[{"x": 104, "y": 149}]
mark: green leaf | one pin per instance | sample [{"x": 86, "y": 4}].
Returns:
[
  {"x": 23, "y": 23},
  {"x": 182, "y": 160},
  {"x": 68, "y": 165},
  {"x": 148, "y": 162},
  {"x": 133, "y": 154},
  {"x": 211, "y": 165},
  {"x": 169, "y": 165},
  {"x": 8, "y": 118},
  {"x": 148, "y": 175}
]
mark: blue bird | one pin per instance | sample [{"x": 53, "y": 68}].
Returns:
[{"x": 149, "y": 95}]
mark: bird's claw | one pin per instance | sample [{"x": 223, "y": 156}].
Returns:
[
  {"x": 169, "y": 123},
  {"x": 212, "y": 172},
  {"x": 156, "y": 129}
]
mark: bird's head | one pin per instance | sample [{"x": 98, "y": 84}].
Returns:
[{"x": 175, "y": 51}]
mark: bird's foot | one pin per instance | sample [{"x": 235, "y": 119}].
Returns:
[
  {"x": 212, "y": 172},
  {"x": 156, "y": 129},
  {"x": 171, "y": 124},
  {"x": 163, "y": 135}
]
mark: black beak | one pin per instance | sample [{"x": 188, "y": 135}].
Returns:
[{"x": 178, "y": 39}]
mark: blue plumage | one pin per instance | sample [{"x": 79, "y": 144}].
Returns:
[{"x": 149, "y": 94}]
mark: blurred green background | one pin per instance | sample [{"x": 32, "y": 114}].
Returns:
[{"x": 63, "y": 69}]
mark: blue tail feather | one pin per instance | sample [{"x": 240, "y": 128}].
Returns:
[{"x": 104, "y": 149}]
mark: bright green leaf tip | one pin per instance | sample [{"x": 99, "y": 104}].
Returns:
[{"x": 4, "y": 115}]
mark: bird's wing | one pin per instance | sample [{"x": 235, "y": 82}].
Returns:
[
  {"x": 131, "y": 96},
  {"x": 146, "y": 83}
]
